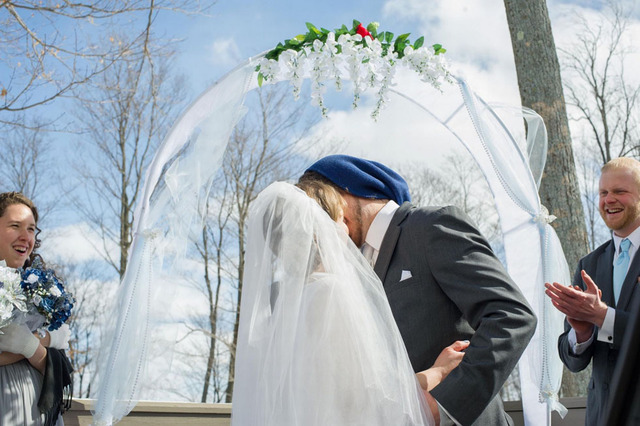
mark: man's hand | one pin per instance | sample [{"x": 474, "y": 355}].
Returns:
[{"x": 583, "y": 309}]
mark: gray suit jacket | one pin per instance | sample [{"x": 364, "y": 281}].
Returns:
[
  {"x": 458, "y": 290},
  {"x": 599, "y": 265}
]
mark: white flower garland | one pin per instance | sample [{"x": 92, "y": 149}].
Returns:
[{"x": 366, "y": 65}]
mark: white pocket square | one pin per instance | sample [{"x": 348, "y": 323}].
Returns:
[{"x": 405, "y": 275}]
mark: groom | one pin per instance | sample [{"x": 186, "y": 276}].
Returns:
[{"x": 443, "y": 283}]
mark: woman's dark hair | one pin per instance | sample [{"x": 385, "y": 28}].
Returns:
[{"x": 9, "y": 199}]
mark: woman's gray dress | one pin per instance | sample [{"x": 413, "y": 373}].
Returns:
[{"x": 20, "y": 386}]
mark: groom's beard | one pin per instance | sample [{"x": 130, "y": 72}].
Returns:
[{"x": 355, "y": 224}]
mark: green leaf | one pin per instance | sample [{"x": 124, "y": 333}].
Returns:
[
  {"x": 312, "y": 28},
  {"x": 388, "y": 36},
  {"x": 373, "y": 29},
  {"x": 344, "y": 29},
  {"x": 380, "y": 37},
  {"x": 300, "y": 38},
  {"x": 419, "y": 42},
  {"x": 273, "y": 54},
  {"x": 355, "y": 24},
  {"x": 438, "y": 49},
  {"x": 260, "y": 79},
  {"x": 403, "y": 37}
]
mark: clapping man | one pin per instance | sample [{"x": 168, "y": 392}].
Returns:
[{"x": 597, "y": 304}]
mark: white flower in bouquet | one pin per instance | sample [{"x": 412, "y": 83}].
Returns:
[{"x": 11, "y": 295}]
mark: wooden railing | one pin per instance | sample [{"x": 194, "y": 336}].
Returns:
[
  {"x": 193, "y": 414},
  {"x": 157, "y": 413}
]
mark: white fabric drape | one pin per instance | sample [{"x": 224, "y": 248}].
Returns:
[
  {"x": 181, "y": 174},
  {"x": 176, "y": 185}
]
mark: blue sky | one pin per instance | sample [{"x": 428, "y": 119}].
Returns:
[
  {"x": 237, "y": 30},
  {"x": 474, "y": 32}
]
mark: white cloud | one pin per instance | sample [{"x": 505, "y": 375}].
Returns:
[
  {"x": 224, "y": 52},
  {"x": 74, "y": 243},
  {"x": 410, "y": 128},
  {"x": 476, "y": 36}
]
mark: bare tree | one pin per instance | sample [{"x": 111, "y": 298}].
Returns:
[
  {"x": 459, "y": 182},
  {"x": 598, "y": 88},
  {"x": 27, "y": 165},
  {"x": 50, "y": 48},
  {"x": 589, "y": 173},
  {"x": 126, "y": 115},
  {"x": 88, "y": 313},
  {"x": 211, "y": 249}
]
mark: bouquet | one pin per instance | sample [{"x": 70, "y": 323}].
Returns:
[{"x": 34, "y": 296}]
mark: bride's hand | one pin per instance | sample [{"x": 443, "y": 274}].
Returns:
[{"x": 448, "y": 359}]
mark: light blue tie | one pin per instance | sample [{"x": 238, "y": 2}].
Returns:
[{"x": 620, "y": 267}]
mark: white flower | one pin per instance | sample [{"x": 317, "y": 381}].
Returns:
[
  {"x": 12, "y": 299},
  {"x": 32, "y": 278},
  {"x": 55, "y": 291}
]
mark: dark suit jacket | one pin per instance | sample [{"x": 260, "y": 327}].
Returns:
[
  {"x": 599, "y": 265},
  {"x": 458, "y": 290},
  {"x": 623, "y": 408}
]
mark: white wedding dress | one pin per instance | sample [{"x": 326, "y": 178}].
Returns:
[{"x": 317, "y": 343}]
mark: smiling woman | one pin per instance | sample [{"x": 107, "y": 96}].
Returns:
[
  {"x": 33, "y": 370},
  {"x": 17, "y": 229}
]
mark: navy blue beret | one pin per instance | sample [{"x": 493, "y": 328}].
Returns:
[{"x": 363, "y": 178}]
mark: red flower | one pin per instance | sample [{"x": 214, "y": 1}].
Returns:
[{"x": 363, "y": 31}]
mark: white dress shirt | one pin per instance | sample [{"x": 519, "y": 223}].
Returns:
[{"x": 373, "y": 241}]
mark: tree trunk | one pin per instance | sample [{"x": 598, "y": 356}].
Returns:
[{"x": 541, "y": 89}]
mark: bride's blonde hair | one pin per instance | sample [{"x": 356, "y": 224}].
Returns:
[{"x": 324, "y": 194}]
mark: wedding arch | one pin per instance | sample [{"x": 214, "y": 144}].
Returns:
[{"x": 371, "y": 62}]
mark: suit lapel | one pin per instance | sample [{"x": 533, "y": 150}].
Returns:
[
  {"x": 630, "y": 283},
  {"x": 604, "y": 274},
  {"x": 389, "y": 241}
]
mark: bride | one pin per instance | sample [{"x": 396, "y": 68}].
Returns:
[{"x": 317, "y": 343}]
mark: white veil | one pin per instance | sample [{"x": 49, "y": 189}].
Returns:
[{"x": 317, "y": 343}]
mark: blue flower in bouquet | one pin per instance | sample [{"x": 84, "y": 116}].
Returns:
[{"x": 46, "y": 294}]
